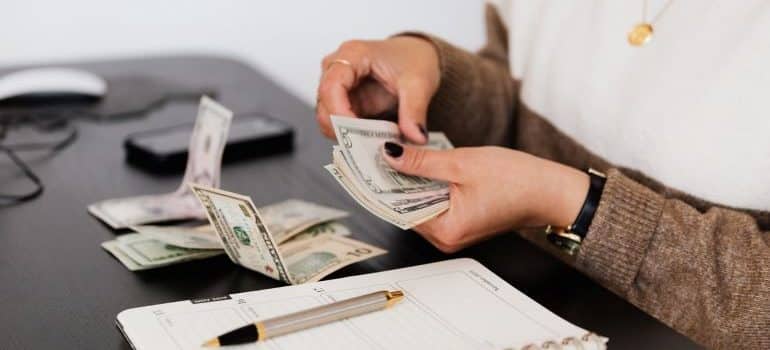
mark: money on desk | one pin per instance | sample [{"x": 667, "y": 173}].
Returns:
[
  {"x": 205, "y": 237},
  {"x": 358, "y": 166},
  {"x": 246, "y": 238},
  {"x": 203, "y": 167},
  {"x": 293, "y": 241},
  {"x": 140, "y": 252},
  {"x": 295, "y": 220}
]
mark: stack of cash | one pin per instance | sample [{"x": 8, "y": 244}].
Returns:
[
  {"x": 301, "y": 230},
  {"x": 294, "y": 240},
  {"x": 358, "y": 166}
]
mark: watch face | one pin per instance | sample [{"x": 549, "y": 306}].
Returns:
[{"x": 567, "y": 242}]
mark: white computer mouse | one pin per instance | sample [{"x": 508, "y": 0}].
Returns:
[{"x": 42, "y": 82}]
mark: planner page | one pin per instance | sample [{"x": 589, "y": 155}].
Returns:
[{"x": 454, "y": 304}]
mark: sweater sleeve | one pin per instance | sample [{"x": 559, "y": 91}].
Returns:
[
  {"x": 704, "y": 273},
  {"x": 475, "y": 101}
]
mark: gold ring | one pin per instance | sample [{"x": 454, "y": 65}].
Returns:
[{"x": 340, "y": 61}]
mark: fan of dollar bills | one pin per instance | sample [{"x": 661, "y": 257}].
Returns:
[
  {"x": 403, "y": 200},
  {"x": 294, "y": 241}
]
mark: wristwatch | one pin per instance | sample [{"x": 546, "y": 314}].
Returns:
[{"x": 570, "y": 237}]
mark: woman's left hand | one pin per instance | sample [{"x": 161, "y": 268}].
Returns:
[{"x": 492, "y": 190}]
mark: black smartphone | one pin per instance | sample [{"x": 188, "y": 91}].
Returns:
[{"x": 164, "y": 151}]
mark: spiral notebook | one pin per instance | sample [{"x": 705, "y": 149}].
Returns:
[{"x": 454, "y": 304}]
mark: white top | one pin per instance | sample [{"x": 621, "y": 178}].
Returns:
[{"x": 691, "y": 108}]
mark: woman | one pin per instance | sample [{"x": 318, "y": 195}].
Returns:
[{"x": 675, "y": 113}]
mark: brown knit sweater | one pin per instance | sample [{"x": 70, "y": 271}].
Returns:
[{"x": 701, "y": 268}]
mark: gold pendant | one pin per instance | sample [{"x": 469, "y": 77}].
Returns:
[{"x": 640, "y": 34}]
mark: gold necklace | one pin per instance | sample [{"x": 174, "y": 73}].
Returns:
[{"x": 641, "y": 33}]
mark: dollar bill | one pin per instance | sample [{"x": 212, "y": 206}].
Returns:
[
  {"x": 204, "y": 236},
  {"x": 402, "y": 203},
  {"x": 139, "y": 252},
  {"x": 113, "y": 248},
  {"x": 199, "y": 237},
  {"x": 159, "y": 246},
  {"x": 298, "y": 213},
  {"x": 288, "y": 218},
  {"x": 358, "y": 166},
  {"x": 373, "y": 208},
  {"x": 314, "y": 258},
  {"x": 248, "y": 242},
  {"x": 203, "y": 167},
  {"x": 283, "y": 219},
  {"x": 242, "y": 231},
  {"x": 360, "y": 141},
  {"x": 326, "y": 228}
]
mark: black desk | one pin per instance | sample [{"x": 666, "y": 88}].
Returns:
[{"x": 59, "y": 289}]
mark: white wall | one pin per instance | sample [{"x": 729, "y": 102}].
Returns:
[{"x": 285, "y": 39}]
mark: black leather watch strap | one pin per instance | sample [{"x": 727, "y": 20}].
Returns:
[{"x": 587, "y": 211}]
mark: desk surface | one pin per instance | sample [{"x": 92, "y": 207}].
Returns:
[{"x": 60, "y": 289}]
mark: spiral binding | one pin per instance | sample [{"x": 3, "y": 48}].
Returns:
[{"x": 571, "y": 343}]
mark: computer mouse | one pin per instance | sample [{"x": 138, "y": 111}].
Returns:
[{"x": 51, "y": 83}]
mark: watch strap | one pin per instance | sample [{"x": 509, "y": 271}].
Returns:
[{"x": 591, "y": 203}]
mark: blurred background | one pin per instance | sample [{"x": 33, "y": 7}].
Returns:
[{"x": 284, "y": 39}]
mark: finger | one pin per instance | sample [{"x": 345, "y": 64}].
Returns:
[
  {"x": 413, "y": 100},
  {"x": 440, "y": 165},
  {"x": 341, "y": 72},
  {"x": 430, "y": 238},
  {"x": 355, "y": 52},
  {"x": 427, "y": 231},
  {"x": 324, "y": 122},
  {"x": 430, "y": 230},
  {"x": 333, "y": 90}
]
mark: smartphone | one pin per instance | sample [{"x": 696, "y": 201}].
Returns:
[{"x": 164, "y": 151}]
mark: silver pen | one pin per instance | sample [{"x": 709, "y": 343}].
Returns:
[{"x": 309, "y": 318}]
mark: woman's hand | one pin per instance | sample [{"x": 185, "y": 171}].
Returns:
[
  {"x": 492, "y": 190},
  {"x": 401, "y": 71}
]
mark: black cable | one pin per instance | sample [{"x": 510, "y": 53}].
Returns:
[
  {"x": 54, "y": 146},
  {"x": 11, "y": 199},
  {"x": 49, "y": 120},
  {"x": 12, "y": 149}
]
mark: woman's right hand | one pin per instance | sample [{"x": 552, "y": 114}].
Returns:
[
  {"x": 492, "y": 190},
  {"x": 401, "y": 72}
]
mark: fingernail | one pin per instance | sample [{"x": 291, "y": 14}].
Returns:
[
  {"x": 393, "y": 149},
  {"x": 423, "y": 130}
]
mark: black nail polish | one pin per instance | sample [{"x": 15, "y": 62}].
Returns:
[
  {"x": 423, "y": 130},
  {"x": 393, "y": 149}
]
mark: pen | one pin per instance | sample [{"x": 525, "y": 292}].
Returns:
[{"x": 304, "y": 319}]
